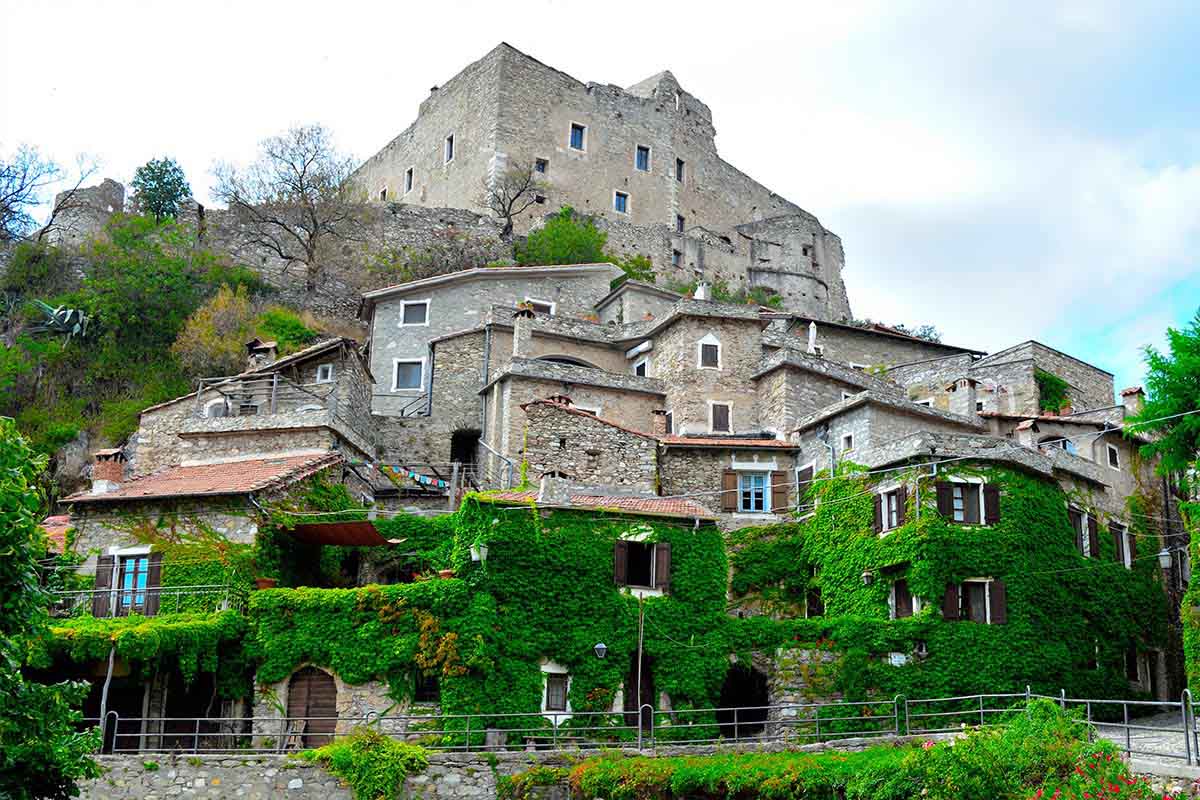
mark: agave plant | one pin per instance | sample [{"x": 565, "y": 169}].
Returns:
[{"x": 64, "y": 321}]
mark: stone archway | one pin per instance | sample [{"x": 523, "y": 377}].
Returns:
[{"x": 744, "y": 697}]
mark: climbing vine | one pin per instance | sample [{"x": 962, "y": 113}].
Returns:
[{"x": 1053, "y": 391}]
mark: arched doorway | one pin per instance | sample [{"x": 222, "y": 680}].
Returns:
[
  {"x": 312, "y": 698},
  {"x": 745, "y": 689}
]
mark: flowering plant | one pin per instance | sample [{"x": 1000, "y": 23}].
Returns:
[{"x": 1099, "y": 776}]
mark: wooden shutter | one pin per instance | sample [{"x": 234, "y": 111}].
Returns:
[
  {"x": 806, "y": 476},
  {"x": 1093, "y": 538},
  {"x": 991, "y": 504},
  {"x": 1118, "y": 542},
  {"x": 950, "y": 602},
  {"x": 878, "y": 513},
  {"x": 901, "y": 505},
  {"x": 970, "y": 493},
  {"x": 662, "y": 566},
  {"x": 620, "y": 562},
  {"x": 998, "y": 602},
  {"x": 1076, "y": 523},
  {"x": 153, "y": 583},
  {"x": 945, "y": 499},
  {"x": 779, "y": 492},
  {"x": 1132, "y": 548},
  {"x": 720, "y": 418},
  {"x": 729, "y": 490},
  {"x": 104, "y": 575},
  {"x": 904, "y": 604}
]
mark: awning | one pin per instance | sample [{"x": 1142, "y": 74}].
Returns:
[{"x": 344, "y": 534}]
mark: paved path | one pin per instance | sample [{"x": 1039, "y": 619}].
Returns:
[{"x": 1166, "y": 739}]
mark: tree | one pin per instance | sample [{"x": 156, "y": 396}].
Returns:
[
  {"x": 159, "y": 186},
  {"x": 294, "y": 198},
  {"x": 23, "y": 178},
  {"x": 564, "y": 239},
  {"x": 42, "y": 755},
  {"x": 512, "y": 193},
  {"x": 1172, "y": 408}
]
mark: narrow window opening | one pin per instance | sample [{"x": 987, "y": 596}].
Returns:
[
  {"x": 578, "y": 136},
  {"x": 449, "y": 148}
]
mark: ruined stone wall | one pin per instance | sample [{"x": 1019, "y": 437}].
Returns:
[
  {"x": 587, "y": 450},
  {"x": 690, "y": 389},
  {"x": 86, "y": 213}
]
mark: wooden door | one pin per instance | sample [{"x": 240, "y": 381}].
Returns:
[{"x": 312, "y": 697}]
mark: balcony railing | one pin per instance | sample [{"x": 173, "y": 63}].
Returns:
[
  {"x": 234, "y": 396},
  {"x": 149, "y": 601}
]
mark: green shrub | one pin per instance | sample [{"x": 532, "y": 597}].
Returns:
[
  {"x": 564, "y": 239},
  {"x": 374, "y": 765},
  {"x": 286, "y": 328}
]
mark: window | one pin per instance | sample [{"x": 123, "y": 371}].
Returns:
[
  {"x": 670, "y": 422},
  {"x": 408, "y": 180},
  {"x": 414, "y": 312},
  {"x": 847, "y": 395},
  {"x": 890, "y": 509},
  {"x": 216, "y": 408},
  {"x": 544, "y": 307},
  {"x": 981, "y": 600},
  {"x": 645, "y": 565},
  {"x": 449, "y": 151},
  {"x": 556, "y": 691},
  {"x": 1114, "y": 456},
  {"x": 1132, "y": 673},
  {"x": 814, "y": 606},
  {"x": 1124, "y": 546},
  {"x": 1087, "y": 542},
  {"x": 408, "y": 374},
  {"x": 676, "y": 258},
  {"x": 383, "y": 193},
  {"x": 902, "y": 603},
  {"x": 679, "y": 223},
  {"x": 133, "y": 580},
  {"x": 541, "y": 166},
  {"x": 719, "y": 418},
  {"x": 709, "y": 354},
  {"x": 425, "y": 687},
  {"x": 752, "y": 492},
  {"x": 641, "y": 159},
  {"x": 621, "y": 202},
  {"x": 979, "y": 405},
  {"x": 847, "y": 442},
  {"x": 679, "y": 170},
  {"x": 928, "y": 403},
  {"x": 969, "y": 503},
  {"x": 642, "y": 367},
  {"x": 325, "y": 373},
  {"x": 578, "y": 136}
]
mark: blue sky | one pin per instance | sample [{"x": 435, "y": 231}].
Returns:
[{"x": 1005, "y": 171}]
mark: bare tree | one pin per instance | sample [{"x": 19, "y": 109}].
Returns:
[
  {"x": 514, "y": 191},
  {"x": 295, "y": 198},
  {"x": 23, "y": 178}
]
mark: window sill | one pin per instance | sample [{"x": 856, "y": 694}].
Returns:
[
  {"x": 643, "y": 591},
  {"x": 754, "y": 515}
]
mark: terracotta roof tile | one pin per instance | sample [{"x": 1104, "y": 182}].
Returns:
[
  {"x": 224, "y": 478},
  {"x": 650, "y": 506},
  {"x": 56, "y": 528}
]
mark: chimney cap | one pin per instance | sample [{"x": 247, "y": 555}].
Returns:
[
  {"x": 1132, "y": 390},
  {"x": 109, "y": 454},
  {"x": 258, "y": 344}
]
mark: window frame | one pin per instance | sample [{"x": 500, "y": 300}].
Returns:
[
  {"x": 404, "y": 304},
  {"x": 676, "y": 258},
  {"x": 765, "y": 501},
  {"x": 680, "y": 170},
  {"x": 544, "y": 163},
  {"x": 383, "y": 194},
  {"x": 711, "y": 340},
  {"x": 448, "y": 149},
  {"x": 396, "y": 362},
  {"x": 847, "y": 442},
  {"x": 617, "y": 195},
  {"x": 644, "y": 363},
  {"x": 670, "y": 421},
  {"x": 583, "y": 138},
  {"x": 916, "y": 601},
  {"x": 890, "y": 508},
  {"x": 637, "y": 151},
  {"x": 549, "y": 304},
  {"x": 566, "y": 690},
  {"x": 977, "y": 493},
  {"x": 987, "y": 600},
  {"x": 712, "y": 404},
  {"x": 330, "y": 377},
  {"x": 409, "y": 179},
  {"x": 1112, "y": 452},
  {"x": 680, "y": 223}
]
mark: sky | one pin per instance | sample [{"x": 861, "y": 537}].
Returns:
[{"x": 1004, "y": 171}]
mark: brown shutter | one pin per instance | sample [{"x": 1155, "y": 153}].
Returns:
[
  {"x": 945, "y": 499},
  {"x": 904, "y": 604},
  {"x": 970, "y": 503},
  {"x": 991, "y": 504},
  {"x": 729, "y": 491},
  {"x": 1132, "y": 548},
  {"x": 1093, "y": 538},
  {"x": 999, "y": 602},
  {"x": 950, "y": 602},
  {"x": 878, "y": 513},
  {"x": 1118, "y": 545},
  {"x": 153, "y": 583},
  {"x": 104, "y": 571},
  {"x": 779, "y": 492},
  {"x": 1077, "y": 525},
  {"x": 662, "y": 566},
  {"x": 806, "y": 476},
  {"x": 620, "y": 562},
  {"x": 901, "y": 505}
]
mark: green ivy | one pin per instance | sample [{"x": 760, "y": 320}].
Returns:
[{"x": 1053, "y": 391}]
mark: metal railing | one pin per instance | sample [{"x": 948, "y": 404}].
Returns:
[
  {"x": 256, "y": 396},
  {"x": 118, "y": 602},
  {"x": 1119, "y": 721}
]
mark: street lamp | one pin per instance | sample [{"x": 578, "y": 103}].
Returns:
[
  {"x": 601, "y": 649},
  {"x": 1164, "y": 558},
  {"x": 479, "y": 552}
]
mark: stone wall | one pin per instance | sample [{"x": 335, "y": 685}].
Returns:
[
  {"x": 152, "y": 776},
  {"x": 587, "y": 449},
  {"x": 696, "y": 472},
  {"x": 1090, "y": 387}
]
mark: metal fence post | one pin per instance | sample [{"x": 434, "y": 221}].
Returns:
[
  {"x": 1185, "y": 702},
  {"x": 467, "y": 746},
  {"x": 1128, "y": 744},
  {"x": 896, "y": 713},
  {"x": 981, "y": 711},
  {"x": 907, "y": 721},
  {"x": 1062, "y": 699},
  {"x": 1089, "y": 720},
  {"x": 196, "y": 738}
]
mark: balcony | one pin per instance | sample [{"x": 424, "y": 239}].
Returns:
[{"x": 147, "y": 602}]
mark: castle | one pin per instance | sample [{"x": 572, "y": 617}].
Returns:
[{"x": 643, "y": 160}]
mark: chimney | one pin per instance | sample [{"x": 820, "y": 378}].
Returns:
[
  {"x": 522, "y": 332},
  {"x": 554, "y": 490},
  {"x": 260, "y": 354},
  {"x": 658, "y": 423},
  {"x": 1133, "y": 398},
  {"x": 107, "y": 470},
  {"x": 963, "y": 400},
  {"x": 812, "y": 338},
  {"x": 703, "y": 290},
  {"x": 561, "y": 399}
]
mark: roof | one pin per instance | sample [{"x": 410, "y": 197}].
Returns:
[
  {"x": 361, "y": 533},
  {"x": 883, "y": 330},
  {"x": 56, "y": 528},
  {"x": 639, "y": 506},
  {"x": 1132, "y": 390},
  {"x": 690, "y": 307},
  {"x": 994, "y": 357},
  {"x": 486, "y": 273},
  {"x": 641, "y": 286},
  {"x": 216, "y": 478},
  {"x": 571, "y": 373},
  {"x": 789, "y": 356},
  {"x": 726, "y": 442},
  {"x": 899, "y": 403}
]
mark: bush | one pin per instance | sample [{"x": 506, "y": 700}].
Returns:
[
  {"x": 564, "y": 239},
  {"x": 374, "y": 765},
  {"x": 286, "y": 328}
]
